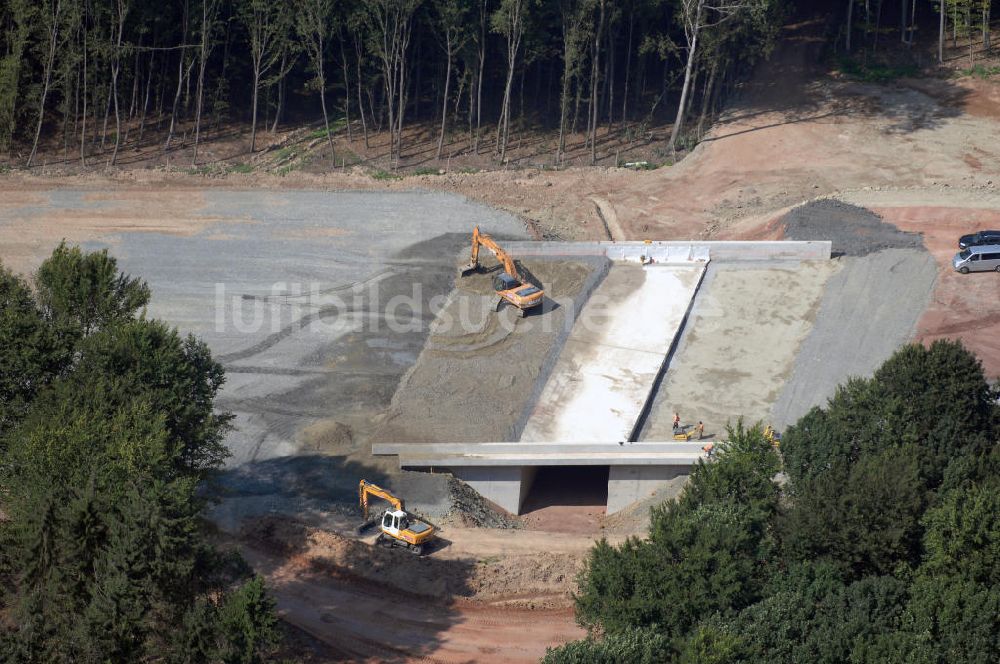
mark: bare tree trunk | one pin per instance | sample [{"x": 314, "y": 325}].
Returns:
[
  {"x": 986, "y": 25},
  {"x": 53, "y": 34},
  {"x": 472, "y": 107},
  {"x": 347, "y": 88},
  {"x": 326, "y": 118},
  {"x": 134, "y": 101},
  {"x": 122, "y": 8},
  {"x": 628, "y": 64},
  {"x": 145, "y": 102},
  {"x": 594, "y": 80},
  {"x": 444, "y": 104},
  {"x": 202, "y": 61},
  {"x": 361, "y": 103},
  {"x": 514, "y": 32},
  {"x": 504, "y": 123},
  {"x": 567, "y": 75},
  {"x": 609, "y": 81},
  {"x": 107, "y": 115},
  {"x": 941, "y": 33},
  {"x": 83, "y": 120},
  {"x": 401, "y": 96},
  {"x": 479, "y": 78},
  {"x": 902, "y": 21},
  {"x": 253, "y": 121},
  {"x": 850, "y": 22},
  {"x": 161, "y": 94},
  {"x": 685, "y": 90},
  {"x": 281, "y": 93},
  {"x": 180, "y": 80},
  {"x": 706, "y": 98}
]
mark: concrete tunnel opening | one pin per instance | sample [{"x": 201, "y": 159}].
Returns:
[{"x": 567, "y": 486}]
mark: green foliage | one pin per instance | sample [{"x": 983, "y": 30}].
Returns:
[
  {"x": 84, "y": 292},
  {"x": 948, "y": 619},
  {"x": 813, "y": 618},
  {"x": 982, "y": 71},
  {"x": 882, "y": 546},
  {"x": 936, "y": 398},
  {"x": 875, "y": 72},
  {"x": 865, "y": 516},
  {"x": 636, "y": 646},
  {"x": 706, "y": 553},
  {"x": 31, "y": 353},
  {"x": 426, "y": 170},
  {"x": 107, "y": 442},
  {"x": 248, "y": 623},
  {"x": 384, "y": 175},
  {"x": 337, "y": 125},
  {"x": 963, "y": 534}
]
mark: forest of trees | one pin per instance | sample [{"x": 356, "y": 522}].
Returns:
[
  {"x": 866, "y": 24},
  {"x": 880, "y": 542},
  {"x": 90, "y": 77},
  {"x": 94, "y": 76},
  {"x": 108, "y": 439}
]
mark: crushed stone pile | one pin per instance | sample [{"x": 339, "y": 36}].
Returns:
[
  {"x": 474, "y": 510},
  {"x": 854, "y": 231}
]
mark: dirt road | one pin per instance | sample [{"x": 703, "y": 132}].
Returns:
[
  {"x": 484, "y": 596},
  {"x": 365, "y": 622}
]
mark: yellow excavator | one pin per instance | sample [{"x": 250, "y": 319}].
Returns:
[
  {"x": 398, "y": 527},
  {"x": 509, "y": 284}
]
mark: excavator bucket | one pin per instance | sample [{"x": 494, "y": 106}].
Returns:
[{"x": 468, "y": 268}]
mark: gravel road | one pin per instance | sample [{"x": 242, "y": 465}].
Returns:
[{"x": 870, "y": 308}]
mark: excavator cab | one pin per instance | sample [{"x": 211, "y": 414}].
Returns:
[
  {"x": 398, "y": 527},
  {"x": 509, "y": 284},
  {"x": 504, "y": 281}
]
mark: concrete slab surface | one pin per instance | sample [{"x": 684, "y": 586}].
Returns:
[
  {"x": 602, "y": 380},
  {"x": 739, "y": 346}
]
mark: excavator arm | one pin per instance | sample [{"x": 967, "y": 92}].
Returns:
[
  {"x": 366, "y": 489},
  {"x": 484, "y": 240}
]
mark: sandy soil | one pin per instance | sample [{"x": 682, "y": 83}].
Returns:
[
  {"x": 28, "y": 236},
  {"x": 483, "y": 596},
  {"x": 482, "y": 363},
  {"x": 739, "y": 345}
]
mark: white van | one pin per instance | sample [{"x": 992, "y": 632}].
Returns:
[{"x": 977, "y": 259}]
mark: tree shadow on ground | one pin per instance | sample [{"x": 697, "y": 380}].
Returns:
[
  {"x": 358, "y": 599},
  {"x": 796, "y": 85}
]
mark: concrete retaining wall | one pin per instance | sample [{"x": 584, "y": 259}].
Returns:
[
  {"x": 669, "y": 251},
  {"x": 506, "y": 486},
  {"x": 630, "y": 484}
]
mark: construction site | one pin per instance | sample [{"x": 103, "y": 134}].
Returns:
[
  {"x": 446, "y": 387},
  {"x": 515, "y": 414}
]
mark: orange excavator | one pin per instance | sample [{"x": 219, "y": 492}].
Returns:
[
  {"x": 509, "y": 284},
  {"x": 399, "y": 527}
]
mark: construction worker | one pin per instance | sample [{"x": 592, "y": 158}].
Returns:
[
  {"x": 677, "y": 421},
  {"x": 708, "y": 449},
  {"x": 701, "y": 430}
]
